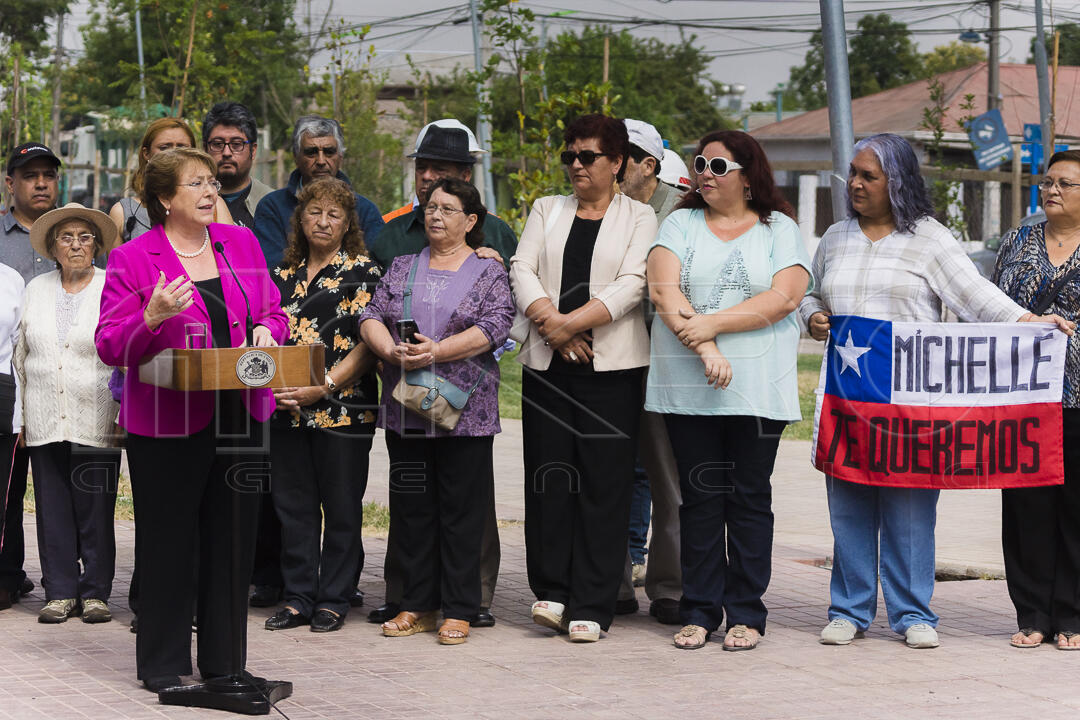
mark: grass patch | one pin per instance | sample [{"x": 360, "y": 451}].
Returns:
[
  {"x": 510, "y": 387},
  {"x": 809, "y": 369}
]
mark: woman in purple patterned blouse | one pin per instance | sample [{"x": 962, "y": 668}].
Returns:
[{"x": 441, "y": 480}]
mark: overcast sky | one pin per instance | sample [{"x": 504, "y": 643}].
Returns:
[{"x": 761, "y": 39}]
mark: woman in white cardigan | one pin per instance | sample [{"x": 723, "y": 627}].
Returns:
[
  {"x": 68, "y": 416},
  {"x": 579, "y": 280}
]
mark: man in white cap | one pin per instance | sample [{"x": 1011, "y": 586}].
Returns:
[
  {"x": 655, "y": 471},
  {"x": 444, "y": 148}
]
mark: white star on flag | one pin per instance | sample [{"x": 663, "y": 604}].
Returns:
[{"x": 850, "y": 354}]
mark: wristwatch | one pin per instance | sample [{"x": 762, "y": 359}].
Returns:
[{"x": 330, "y": 382}]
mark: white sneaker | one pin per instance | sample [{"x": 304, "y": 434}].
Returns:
[
  {"x": 840, "y": 632},
  {"x": 637, "y": 574},
  {"x": 921, "y": 635}
]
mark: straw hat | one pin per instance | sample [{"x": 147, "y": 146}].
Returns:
[{"x": 39, "y": 231}]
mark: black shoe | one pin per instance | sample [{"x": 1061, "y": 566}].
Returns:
[
  {"x": 383, "y": 613},
  {"x": 484, "y": 618},
  {"x": 157, "y": 684},
  {"x": 326, "y": 621},
  {"x": 285, "y": 619},
  {"x": 265, "y": 596},
  {"x": 6, "y": 598},
  {"x": 626, "y": 607},
  {"x": 357, "y": 598},
  {"x": 666, "y": 611},
  {"x": 26, "y": 587},
  {"x": 135, "y": 624}
]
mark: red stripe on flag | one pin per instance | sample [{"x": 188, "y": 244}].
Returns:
[{"x": 1010, "y": 446}]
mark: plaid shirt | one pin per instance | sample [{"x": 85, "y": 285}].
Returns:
[{"x": 903, "y": 277}]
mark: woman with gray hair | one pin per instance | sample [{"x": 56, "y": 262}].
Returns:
[
  {"x": 891, "y": 260},
  {"x": 68, "y": 416}
]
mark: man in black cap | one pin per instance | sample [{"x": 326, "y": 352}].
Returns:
[
  {"x": 443, "y": 149},
  {"x": 33, "y": 174}
]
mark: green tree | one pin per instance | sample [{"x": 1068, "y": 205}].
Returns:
[
  {"x": 808, "y": 80},
  {"x": 953, "y": 56},
  {"x": 1068, "y": 45},
  {"x": 23, "y": 32},
  {"x": 25, "y": 22}
]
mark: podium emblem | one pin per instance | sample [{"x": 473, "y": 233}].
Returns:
[{"x": 255, "y": 368}]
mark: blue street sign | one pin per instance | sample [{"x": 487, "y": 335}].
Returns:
[
  {"x": 1036, "y": 149},
  {"x": 990, "y": 140},
  {"x": 1032, "y": 132}
]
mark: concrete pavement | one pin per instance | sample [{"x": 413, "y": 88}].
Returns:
[{"x": 518, "y": 670}]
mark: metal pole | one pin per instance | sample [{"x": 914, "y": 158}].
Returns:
[
  {"x": 838, "y": 86},
  {"x": 1044, "y": 85},
  {"x": 54, "y": 136},
  {"x": 779, "y": 93},
  {"x": 993, "y": 61},
  {"x": 483, "y": 129},
  {"x": 138, "y": 49}
]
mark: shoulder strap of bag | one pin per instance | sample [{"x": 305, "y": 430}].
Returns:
[{"x": 1053, "y": 292}]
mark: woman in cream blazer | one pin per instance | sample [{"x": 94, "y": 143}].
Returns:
[{"x": 579, "y": 281}]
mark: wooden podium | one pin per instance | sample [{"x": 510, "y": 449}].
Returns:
[{"x": 236, "y": 368}]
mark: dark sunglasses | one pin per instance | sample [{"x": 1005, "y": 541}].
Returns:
[
  {"x": 718, "y": 166},
  {"x": 585, "y": 157}
]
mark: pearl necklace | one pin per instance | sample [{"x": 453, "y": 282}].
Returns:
[{"x": 197, "y": 253}]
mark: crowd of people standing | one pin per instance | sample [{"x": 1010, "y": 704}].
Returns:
[{"x": 658, "y": 325}]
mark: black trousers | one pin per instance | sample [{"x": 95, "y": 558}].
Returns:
[
  {"x": 439, "y": 492},
  {"x": 75, "y": 496},
  {"x": 726, "y": 517},
  {"x": 318, "y": 479},
  {"x": 1040, "y": 540},
  {"x": 13, "y": 550},
  {"x": 200, "y": 491},
  {"x": 268, "y": 553},
  {"x": 579, "y": 440}
]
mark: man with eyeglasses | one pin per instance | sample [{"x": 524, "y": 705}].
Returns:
[
  {"x": 319, "y": 149},
  {"x": 444, "y": 148},
  {"x": 230, "y": 136},
  {"x": 33, "y": 186}
]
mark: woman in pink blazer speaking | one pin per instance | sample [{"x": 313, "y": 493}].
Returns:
[{"x": 193, "y": 455}]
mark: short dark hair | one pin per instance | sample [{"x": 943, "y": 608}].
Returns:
[
  {"x": 639, "y": 156},
  {"x": 470, "y": 203},
  {"x": 163, "y": 174},
  {"x": 1064, "y": 156},
  {"x": 611, "y": 134},
  {"x": 765, "y": 197},
  {"x": 234, "y": 115}
]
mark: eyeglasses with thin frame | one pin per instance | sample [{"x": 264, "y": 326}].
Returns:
[
  {"x": 1064, "y": 186},
  {"x": 444, "y": 210},
  {"x": 197, "y": 185},
  {"x": 68, "y": 239},
  {"x": 313, "y": 151},
  {"x": 718, "y": 166},
  {"x": 585, "y": 157},
  {"x": 218, "y": 145}
]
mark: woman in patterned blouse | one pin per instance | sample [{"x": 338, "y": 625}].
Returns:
[
  {"x": 891, "y": 260},
  {"x": 1040, "y": 535},
  {"x": 320, "y": 435}
]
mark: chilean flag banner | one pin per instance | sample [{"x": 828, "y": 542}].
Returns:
[{"x": 941, "y": 405}]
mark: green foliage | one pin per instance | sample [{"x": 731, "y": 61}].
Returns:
[
  {"x": 945, "y": 194},
  {"x": 882, "y": 56},
  {"x": 1068, "y": 45},
  {"x": 24, "y": 22},
  {"x": 374, "y": 160},
  {"x": 808, "y": 80},
  {"x": 953, "y": 56}
]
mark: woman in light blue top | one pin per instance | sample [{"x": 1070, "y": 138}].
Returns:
[{"x": 726, "y": 272}]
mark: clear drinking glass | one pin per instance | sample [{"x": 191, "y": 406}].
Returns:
[{"x": 195, "y": 336}]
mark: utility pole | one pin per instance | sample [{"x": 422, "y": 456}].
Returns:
[
  {"x": 483, "y": 127},
  {"x": 1045, "y": 111},
  {"x": 138, "y": 49},
  {"x": 54, "y": 137},
  {"x": 993, "y": 99},
  {"x": 838, "y": 86}
]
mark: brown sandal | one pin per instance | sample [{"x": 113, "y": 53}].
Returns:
[
  {"x": 742, "y": 632},
  {"x": 453, "y": 625},
  {"x": 409, "y": 623}
]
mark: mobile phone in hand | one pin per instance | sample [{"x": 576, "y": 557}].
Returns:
[{"x": 407, "y": 330}]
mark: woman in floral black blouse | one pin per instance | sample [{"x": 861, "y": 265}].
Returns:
[
  {"x": 321, "y": 435},
  {"x": 1040, "y": 527}
]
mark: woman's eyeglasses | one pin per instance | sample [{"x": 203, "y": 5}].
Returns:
[
  {"x": 197, "y": 185},
  {"x": 1063, "y": 185},
  {"x": 67, "y": 239},
  {"x": 718, "y": 166},
  {"x": 445, "y": 211},
  {"x": 585, "y": 157}
]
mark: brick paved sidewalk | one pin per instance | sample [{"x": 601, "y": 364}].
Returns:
[{"x": 518, "y": 670}]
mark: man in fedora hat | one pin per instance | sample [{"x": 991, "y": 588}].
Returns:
[
  {"x": 33, "y": 184},
  {"x": 444, "y": 148}
]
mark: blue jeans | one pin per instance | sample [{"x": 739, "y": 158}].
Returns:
[
  {"x": 640, "y": 514},
  {"x": 904, "y": 520}
]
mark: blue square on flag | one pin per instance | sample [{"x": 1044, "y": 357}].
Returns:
[{"x": 859, "y": 359}]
